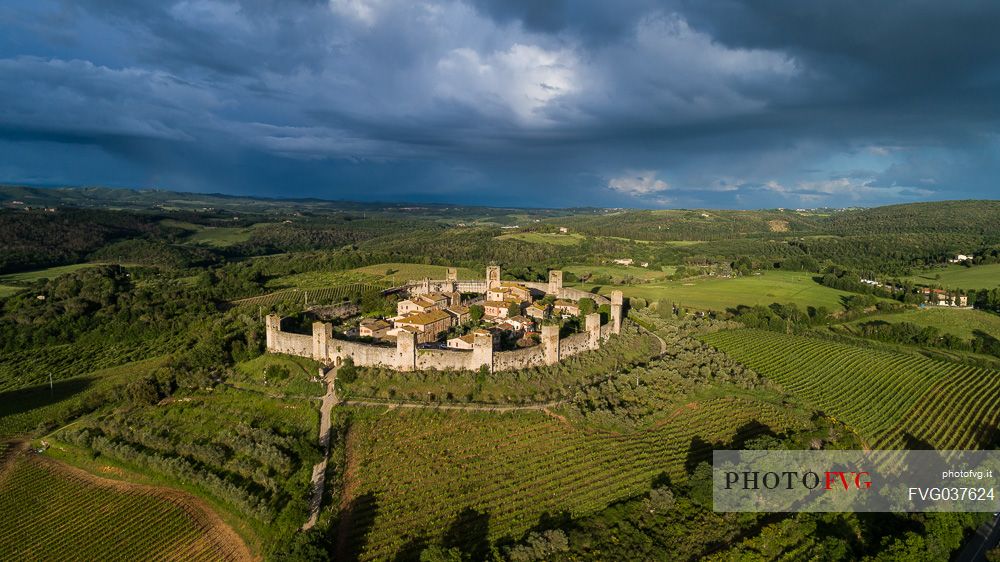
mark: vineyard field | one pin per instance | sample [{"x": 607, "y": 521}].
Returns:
[
  {"x": 59, "y": 515},
  {"x": 315, "y": 296},
  {"x": 959, "y": 412},
  {"x": 881, "y": 394},
  {"x": 502, "y": 473}
]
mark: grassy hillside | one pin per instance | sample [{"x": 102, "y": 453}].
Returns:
[
  {"x": 960, "y": 277},
  {"x": 958, "y": 322},
  {"x": 715, "y": 293},
  {"x": 23, "y": 410}
]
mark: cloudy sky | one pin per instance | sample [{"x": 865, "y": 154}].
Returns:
[{"x": 690, "y": 103}]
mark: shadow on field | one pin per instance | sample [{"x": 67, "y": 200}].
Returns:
[
  {"x": 18, "y": 401},
  {"x": 986, "y": 436},
  {"x": 913, "y": 443},
  {"x": 701, "y": 451},
  {"x": 355, "y": 523},
  {"x": 468, "y": 533}
]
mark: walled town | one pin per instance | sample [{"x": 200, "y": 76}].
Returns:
[{"x": 531, "y": 315}]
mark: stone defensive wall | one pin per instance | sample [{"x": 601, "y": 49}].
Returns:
[{"x": 407, "y": 356}]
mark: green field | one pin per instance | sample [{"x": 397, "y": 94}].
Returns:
[
  {"x": 617, "y": 273},
  {"x": 544, "y": 238},
  {"x": 47, "y": 273},
  {"x": 715, "y": 293},
  {"x": 301, "y": 371},
  {"x": 214, "y": 236},
  {"x": 885, "y": 396},
  {"x": 64, "y": 516},
  {"x": 21, "y": 411},
  {"x": 420, "y": 473},
  {"x": 14, "y": 282},
  {"x": 960, "y": 277},
  {"x": 958, "y": 322}
]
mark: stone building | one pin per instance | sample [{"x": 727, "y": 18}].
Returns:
[
  {"x": 373, "y": 328},
  {"x": 427, "y": 325}
]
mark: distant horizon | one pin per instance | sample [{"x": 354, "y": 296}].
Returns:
[{"x": 456, "y": 204}]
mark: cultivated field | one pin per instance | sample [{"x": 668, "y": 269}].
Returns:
[
  {"x": 714, "y": 293},
  {"x": 57, "y": 513},
  {"x": 487, "y": 475},
  {"x": 326, "y": 295},
  {"x": 960, "y": 277},
  {"x": 881, "y": 394}
]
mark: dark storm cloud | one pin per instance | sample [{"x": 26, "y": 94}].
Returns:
[{"x": 688, "y": 103}]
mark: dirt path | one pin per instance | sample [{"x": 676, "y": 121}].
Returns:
[
  {"x": 319, "y": 471},
  {"x": 230, "y": 545},
  {"x": 14, "y": 448}
]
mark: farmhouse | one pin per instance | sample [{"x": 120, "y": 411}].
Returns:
[{"x": 940, "y": 297}]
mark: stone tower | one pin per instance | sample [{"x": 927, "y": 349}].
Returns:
[
  {"x": 593, "y": 324},
  {"x": 322, "y": 333},
  {"x": 492, "y": 276},
  {"x": 453, "y": 274},
  {"x": 550, "y": 343},
  {"x": 482, "y": 350},
  {"x": 616, "y": 311},
  {"x": 555, "y": 282},
  {"x": 272, "y": 325},
  {"x": 406, "y": 350}
]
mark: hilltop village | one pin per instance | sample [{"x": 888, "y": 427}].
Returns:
[
  {"x": 531, "y": 319},
  {"x": 508, "y": 310}
]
